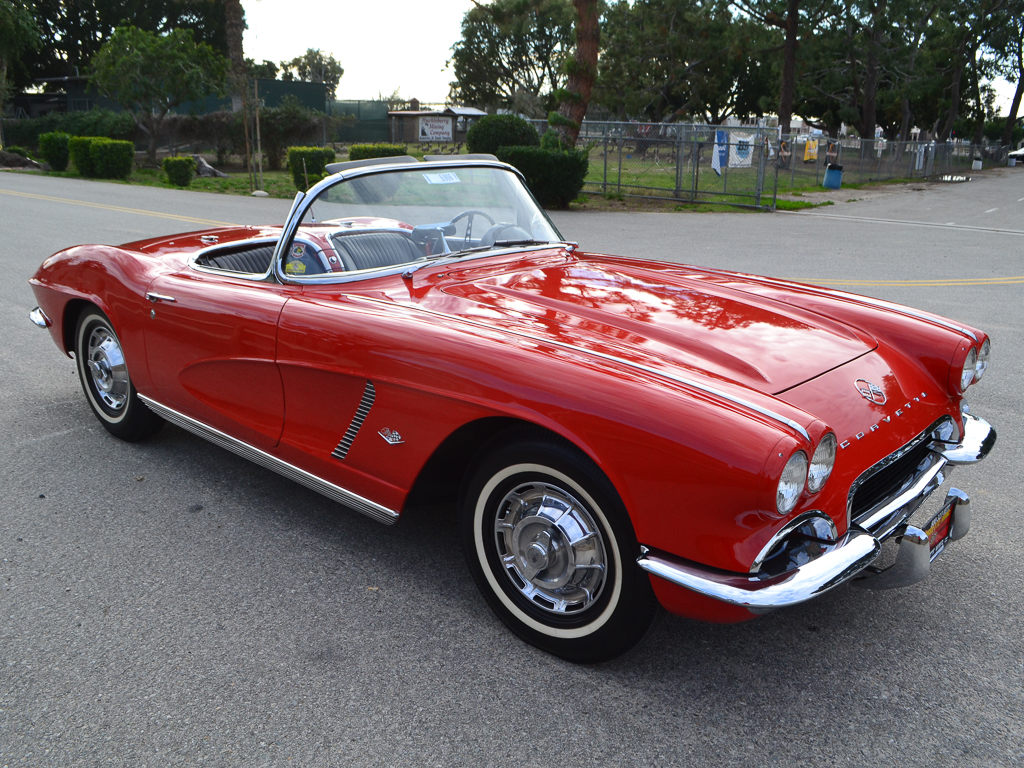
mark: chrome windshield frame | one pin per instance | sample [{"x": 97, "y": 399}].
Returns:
[{"x": 303, "y": 202}]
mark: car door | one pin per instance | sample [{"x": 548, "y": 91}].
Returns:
[{"x": 211, "y": 340}]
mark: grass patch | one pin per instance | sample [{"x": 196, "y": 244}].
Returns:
[{"x": 798, "y": 205}]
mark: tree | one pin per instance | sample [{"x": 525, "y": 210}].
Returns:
[
  {"x": 672, "y": 59},
  {"x": 148, "y": 75},
  {"x": 18, "y": 35},
  {"x": 73, "y": 32},
  {"x": 574, "y": 98},
  {"x": 266, "y": 71},
  {"x": 795, "y": 18},
  {"x": 511, "y": 53},
  {"x": 314, "y": 67},
  {"x": 1008, "y": 44},
  {"x": 969, "y": 24}
]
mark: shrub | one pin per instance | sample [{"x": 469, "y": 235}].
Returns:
[
  {"x": 367, "y": 151},
  {"x": 17, "y": 151},
  {"x": 95, "y": 122},
  {"x": 554, "y": 177},
  {"x": 179, "y": 170},
  {"x": 493, "y": 131},
  {"x": 54, "y": 147},
  {"x": 112, "y": 159},
  {"x": 552, "y": 140},
  {"x": 80, "y": 148},
  {"x": 316, "y": 158}
]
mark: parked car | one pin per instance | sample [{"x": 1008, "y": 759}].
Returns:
[{"x": 620, "y": 436}]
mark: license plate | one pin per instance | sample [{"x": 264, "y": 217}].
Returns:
[{"x": 938, "y": 531}]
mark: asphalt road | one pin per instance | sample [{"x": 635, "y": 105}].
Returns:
[{"x": 171, "y": 604}]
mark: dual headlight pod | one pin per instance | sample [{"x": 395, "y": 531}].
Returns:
[
  {"x": 798, "y": 473},
  {"x": 974, "y": 367}
]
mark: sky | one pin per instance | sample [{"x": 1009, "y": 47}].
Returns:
[{"x": 382, "y": 44}]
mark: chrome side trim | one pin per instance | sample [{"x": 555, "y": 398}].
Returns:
[
  {"x": 855, "y": 552},
  {"x": 365, "y": 404},
  {"x": 330, "y": 490},
  {"x": 40, "y": 318},
  {"x": 979, "y": 438},
  {"x": 611, "y": 358}
]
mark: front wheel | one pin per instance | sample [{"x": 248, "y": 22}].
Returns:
[
  {"x": 553, "y": 551},
  {"x": 103, "y": 371}
]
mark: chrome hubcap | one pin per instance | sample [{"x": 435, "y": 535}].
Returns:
[
  {"x": 107, "y": 370},
  {"x": 550, "y": 548}
]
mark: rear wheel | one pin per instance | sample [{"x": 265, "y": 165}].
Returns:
[
  {"x": 104, "y": 375},
  {"x": 553, "y": 551}
]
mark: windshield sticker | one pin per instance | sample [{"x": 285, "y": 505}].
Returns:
[
  {"x": 298, "y": 250},
  {"x": 442, "y": 178}
]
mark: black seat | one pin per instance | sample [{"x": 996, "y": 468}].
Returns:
[
  {"x": 252, "y": 261},
  {"x": 371, "y": 250}
]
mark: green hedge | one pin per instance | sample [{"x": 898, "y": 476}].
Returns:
[
  {"x": 112, "y": 159},
  {"x": 55, "y": 149},
  {"x": 367, "y": 151},
  {"x": 494, "y": 131},
  {"x": 95, "y": 122},
  {"x": 179, "y": 170},
  {"x": 80, "y": 148},
  {"x": 314, "y": 169},
  {"x": 554, "y": 177}
]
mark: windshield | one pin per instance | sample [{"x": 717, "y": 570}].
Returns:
[{"x": 414, "y": 214}]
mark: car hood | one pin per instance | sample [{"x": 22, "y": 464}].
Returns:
[{"x": 676, "y": 317}]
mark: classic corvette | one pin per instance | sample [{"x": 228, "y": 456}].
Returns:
[{"x": 620, "y": 436}]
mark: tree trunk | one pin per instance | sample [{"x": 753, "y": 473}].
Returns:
[
  {"x": 789, "y": 66},
  {"x": 1012, "y": 117},
  {"x": 869, "y": 116},
  {"x": 979, "y": 131},
  {"x": 234, "y": 26},
  {"x": 954, "y": 92},
  {"x": 575, "y": 98}
]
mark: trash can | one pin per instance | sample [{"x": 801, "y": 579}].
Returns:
[
  {"x": 976, "y": 165},
  {"x": 833, "y": 176},
  {"x": 1012, "y": 162}
]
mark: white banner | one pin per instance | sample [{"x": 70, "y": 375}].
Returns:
[
  {"x": 436, "y": 128},
  {"x": 741, "y": 149}
]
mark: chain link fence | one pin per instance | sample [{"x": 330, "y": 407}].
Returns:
[{"x": 749, "y": 166}]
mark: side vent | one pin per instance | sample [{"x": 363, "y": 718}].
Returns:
[{"x": 357, "y": 421}]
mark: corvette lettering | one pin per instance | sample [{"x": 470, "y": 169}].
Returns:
[{"x": 899, "y": 412}]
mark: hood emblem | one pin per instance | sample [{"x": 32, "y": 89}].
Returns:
[{"x": 870, "y": 391}]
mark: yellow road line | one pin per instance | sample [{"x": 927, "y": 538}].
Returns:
[
  {"x": 922, "y": 283},
  {"x": 120, "y": 209}
]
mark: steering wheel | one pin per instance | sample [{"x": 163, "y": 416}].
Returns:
[{"x": 469, "y": 224}]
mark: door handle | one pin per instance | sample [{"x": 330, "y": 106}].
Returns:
[{"x": 155, "y": 297}]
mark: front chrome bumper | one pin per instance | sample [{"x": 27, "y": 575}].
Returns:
[{"x": 854, "y": 554}]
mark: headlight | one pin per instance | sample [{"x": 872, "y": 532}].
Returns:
[
  {"x": 821, "y": 463},
  {"x": 791, "y": 483},
  {"x": 970, "y": 365},
  {"x": 982, "y": 364}
]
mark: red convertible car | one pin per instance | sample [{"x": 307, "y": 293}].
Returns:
[{"x": 620, "y": 436}]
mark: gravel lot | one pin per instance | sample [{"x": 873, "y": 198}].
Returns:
[{"x": 171, "y": 604}]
